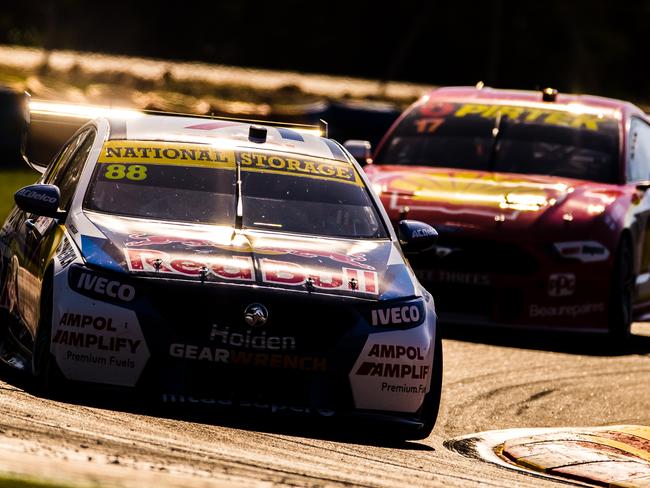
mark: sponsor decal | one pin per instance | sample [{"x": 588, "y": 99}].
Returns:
[
  {"x": 164, "y": 153},
  {"x": 88, "y": 340},
  {"x": 434, "y": 112},
  {"x": 404, "y": 388},
  {"x": 94, "y": 339},
  {"x": 585, "y": 251},
  {"x": 572, "y": 311},
  {"x": 561, "y": 285},
  {"x": 454, "y": 277},
  {"x": 393, "y": 371},
  {"x": 461, "y": 192},
  {"x": 121, "y": 155},
  {"x": 240, "y": 268},
  {"x": 423, "y": 232},
  {"x": 35, "y": 195},
  {"x": 145, "y": 240},
  {"x": 409, "y": 314},
  {"x": 251, "y": 339},
  {"x": 65, "y": 253},
  {"x": 236, "y": 268},
  {"x": 292, "y": 274},
  {"x": 321, "y": 169},
  {"x": 242, "y": 403},
  {"x": 256, "y": 315},
  {"x": 91, "y": 284},
  {"x": 246, "y": 358},
  {"x": 357, "y": 260}
]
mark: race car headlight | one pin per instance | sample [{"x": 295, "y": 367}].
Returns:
[
  {"x": 584, "y": 251},
  {"x": 410, "y": 313}
]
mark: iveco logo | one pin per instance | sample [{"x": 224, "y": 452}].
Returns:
[{"x": 256, "y": 315}]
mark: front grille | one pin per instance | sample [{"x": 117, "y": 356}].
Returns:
[{"x": 302, "y": 355}]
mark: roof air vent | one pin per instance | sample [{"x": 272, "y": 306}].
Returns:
[
  {"x": 549, "y": 95},
  {"x": 257, "y": 133}
]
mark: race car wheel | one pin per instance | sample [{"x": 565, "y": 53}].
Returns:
[
  {"x": 49, "y": 378},
  {"x": 431, "y": 405},
  {"x": 622, "y": 290}
]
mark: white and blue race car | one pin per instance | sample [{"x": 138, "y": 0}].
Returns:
[{"x": 222, "y": 262}]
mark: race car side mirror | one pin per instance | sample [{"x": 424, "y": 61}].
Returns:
[
  {"x": 41, "y": 200},
  {"x": 360, "y": 150},
  {"x": 416, "y": 236}
]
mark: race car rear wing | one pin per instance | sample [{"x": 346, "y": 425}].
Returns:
[
  {"x": 321, "y": 127},
  {"x": 55, "y": 122}
]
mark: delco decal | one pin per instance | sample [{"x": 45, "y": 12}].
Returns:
[
  {"x": 96, "y": 286},
  {"x": 409, "y": 315},
  {"x": 393, "y": 371},
  {"x": 423, "y": 232},
  {"x": 35, "y": 195}
]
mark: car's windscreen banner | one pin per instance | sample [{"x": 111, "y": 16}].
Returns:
[
  {"x": 130, "y": 159},
  {"x": 434, "y": 113}
]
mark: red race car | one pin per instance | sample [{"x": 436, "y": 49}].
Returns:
[{"x": 541, "y": 201}]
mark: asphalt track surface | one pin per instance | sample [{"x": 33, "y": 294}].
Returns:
[{"x": 492, "y": 380}]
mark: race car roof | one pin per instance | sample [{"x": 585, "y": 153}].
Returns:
[
  {"x": 528, "y": 96},
  {"x": 144, "y": 127}
]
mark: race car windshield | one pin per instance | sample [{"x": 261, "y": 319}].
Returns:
[
  {"x": 195, "y": 183},
  {"x": 507, "y": 138}
]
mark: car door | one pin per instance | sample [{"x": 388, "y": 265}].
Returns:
[
  {"x": 37, "y": 236},
  {"x": 638, "y": 171}
]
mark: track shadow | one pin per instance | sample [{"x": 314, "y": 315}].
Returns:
[
  {"x": 290, "y": 422},
  {"x": 563, "y": 342}
]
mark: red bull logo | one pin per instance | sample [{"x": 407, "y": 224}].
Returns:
[
  {"x": 145, "y": 240},
  {"x": 142, "y": 240}
]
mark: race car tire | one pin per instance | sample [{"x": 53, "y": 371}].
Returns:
[
  {"x": 431, "y": 404},
  {"x": 620, "y": 309},
  {"x": 48, "y": 377}
]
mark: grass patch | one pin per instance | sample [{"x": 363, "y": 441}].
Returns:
[
  {"x": 10, "y": 482},
  {"x": 12, "y": 180}
]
